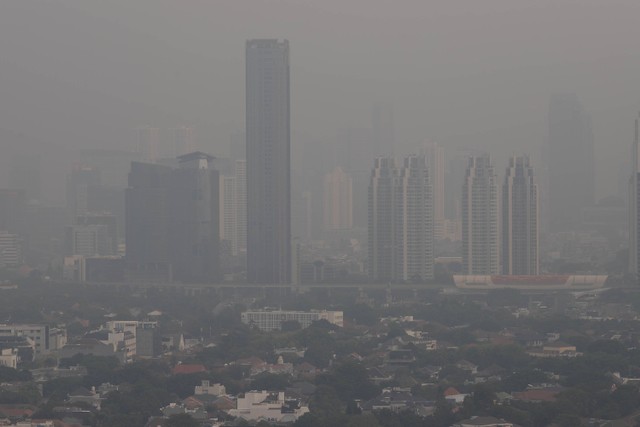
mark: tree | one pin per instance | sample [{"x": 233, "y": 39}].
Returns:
[
  {"x": 290, "y": 326},
  {"x": 181, "y": 420}
]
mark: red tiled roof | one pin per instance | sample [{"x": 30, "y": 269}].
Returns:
[{"x": 451, "y": 391}]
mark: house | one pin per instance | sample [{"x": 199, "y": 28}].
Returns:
[
  {"x": 453, "y": 395},
  {"x": 467, "y": 366},
  {"x": 9, "y": 357},
  {"x": 268, "y": 406},
  {"x": 206, "y": 388}
]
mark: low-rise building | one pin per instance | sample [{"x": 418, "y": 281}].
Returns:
[
  {"x": 9, "y": 357},
  {"x": 213, "y": 389},
  {"x": 268, "y": 406},
  {"x": 271, "y": 320},
  {"x": 40, "y": 334}
]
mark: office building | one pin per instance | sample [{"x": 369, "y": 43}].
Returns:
[
  {"x": 102, "y": 219},
  {"x": 401, "y": 229},
  {"x": 147, "y": 222},
  {"x": 241, "y": 205},
  {"x": 79, "y": 181},
  {"x": 233, "y": 207},
  {"x": 338, "y": 201},
  {"x": 88, "y": 240},
  {"x": 519, "y": 219},
  {"x": 268, "y": 162},
  {"x": 480, "y": 218},
  {"x": 194, "y": 224},
  {"x": 172, "y": 221},
  {"x": 10, "y": 250},
  {"x": 228, "y": 215},
  {"x": 380, "y": 229},
  {"x": 571, "y": 174},
  {"x": 38, "y": 333}
]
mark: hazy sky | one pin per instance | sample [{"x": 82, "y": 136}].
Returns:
[{"x": 471, "y": 73}]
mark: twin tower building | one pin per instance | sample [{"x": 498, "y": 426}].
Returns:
[{"x": 499, "y": 229}]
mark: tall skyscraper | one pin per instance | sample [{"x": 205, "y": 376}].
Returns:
[
  {"x": 268, "y": 162},
  {"x": 147, "y": 222},
  {"x": 413, "y": 222},
  {"x": 194, "y": 222},
  {"x": 241, "y": 205},
  {"x": 338, "y": 200},
  {"x": 434, "y": 155},
  {"x": 228, "y": 214},
  {"x": 571, "y": 176},
  {"x": 480, "y": 218},
  {"x": 79, "y": 181},
  {"x": 519, "y": 219},
  {"x": 401, "y": 230},
  {"x": 380, "y": 229},
  {"x": 634, "y": 208},
  {"x": 172, "y": 220}
]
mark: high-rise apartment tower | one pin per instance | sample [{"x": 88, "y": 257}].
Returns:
[
  {"x": 519, "y": 219},
  {"x": 480, "y": 218}
]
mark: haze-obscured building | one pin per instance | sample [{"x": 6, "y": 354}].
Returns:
[
  {"x": 571, "y": 164},
  {"x": 268, "y": 162},
  {"x": 480, "y": 218},
  {"x": 172, "y": 221},
  {"x": 519, "y": 219}
]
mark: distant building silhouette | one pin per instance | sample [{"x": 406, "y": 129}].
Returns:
[
  {"x": 268, "y": 162},
  {"x": 148, "y": 143},
  {"x": 183, "y": 140},
  {"x": 79, "y": 181},
  {"x": 13, "y": 210},
  {"x": 519, "y": 219},
  {"x": 480, "y": 218},
  {"x": 383, "y": 129},
  {"x": 338, "y": 200},
  {"x": 571, "y": 176}
]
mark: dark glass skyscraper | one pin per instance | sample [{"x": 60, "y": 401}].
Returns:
[
  {"x": 172, "y": 221},
  {"x": 268, "y": 162}
]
